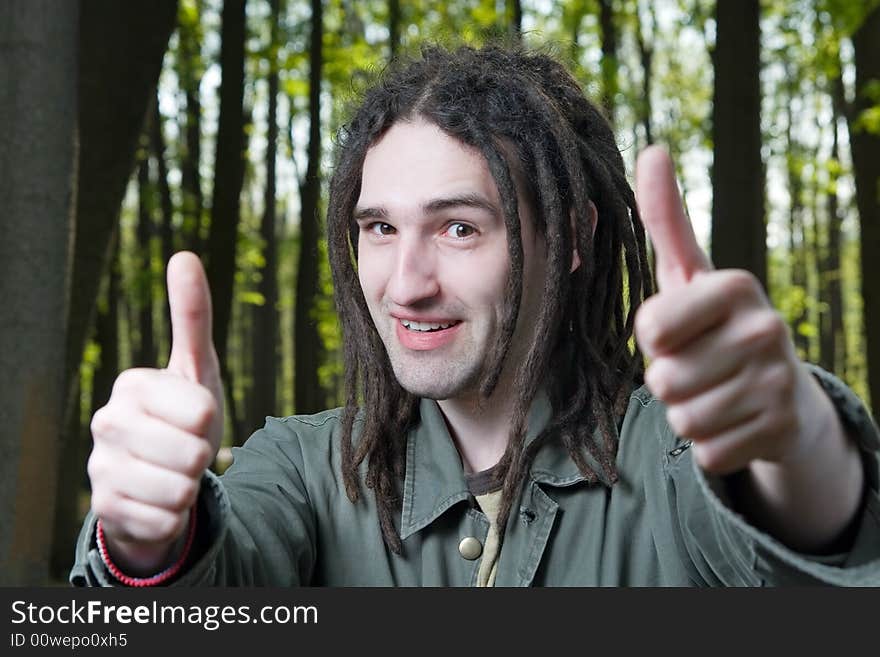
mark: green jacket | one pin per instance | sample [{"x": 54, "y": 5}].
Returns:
[{"x": 280, "y": 516}]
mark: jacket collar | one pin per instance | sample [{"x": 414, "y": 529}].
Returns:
[{"x": 435, "y": 479}]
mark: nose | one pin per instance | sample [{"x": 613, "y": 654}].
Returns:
[{"x": 414, "y": 274}]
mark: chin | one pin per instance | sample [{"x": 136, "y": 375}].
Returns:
[{"x": 437, "y": 387}]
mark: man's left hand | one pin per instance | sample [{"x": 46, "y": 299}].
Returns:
[{"x": 721, "y": 356}]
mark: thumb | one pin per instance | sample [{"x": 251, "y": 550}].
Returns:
[
  {"x": 192, "y": 345},
  {"x": 678, "y": 255}
]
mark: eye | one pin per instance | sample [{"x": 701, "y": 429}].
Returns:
[
  {"x": 380, "y": 228},
  {"x": 459, "y": 230}
]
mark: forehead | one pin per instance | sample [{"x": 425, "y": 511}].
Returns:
[{"x": 415, "y": 161}]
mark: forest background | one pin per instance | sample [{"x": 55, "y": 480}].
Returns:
[{"x": 135, "y": 129}]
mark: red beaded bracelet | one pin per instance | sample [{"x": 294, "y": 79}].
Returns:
[{"x": 155, "y": 580}]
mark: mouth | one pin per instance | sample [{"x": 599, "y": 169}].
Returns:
[
  {"x": 427, "y": 327},
  {"x": 426, "y": 336}
]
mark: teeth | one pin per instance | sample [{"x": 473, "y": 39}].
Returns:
[{"x": 424, "y": 326}]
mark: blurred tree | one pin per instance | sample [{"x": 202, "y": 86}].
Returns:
[
  {"x": 739, "y": 234},
  {"x": 609, "y": 57},
  {"x": 514, "y": 18},
  {"x": 228, "y": 180},
  {"x": 308, "y": 395},
  {"x": 265, "y": 316},
  {"x": 864, "y": 138},
  {"x": 166, "y": 205},
  {"x": 38, "y": 60},
  {"x": 393, "y": 28},
  {"x": 146, "y": 352},
  {"x": 121, "y": 47},
  {"x": 646, "y": 58},
  {"x": 190, "y": 70}
]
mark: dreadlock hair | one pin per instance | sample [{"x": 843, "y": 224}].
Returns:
[{"x": 527, "y": 115}]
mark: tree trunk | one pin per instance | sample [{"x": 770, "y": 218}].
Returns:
[
  {"x": 121, "y": 49},
  {"x": 228, "y": 179},
  {"x": 146, "y": 354},
  {"x": 609, "y": 57},
  {"x": 833, "y": 336},
  {"x": 75, "y": 450},
  {"x": 265, "y": 317},
  {"x": 308, "y": 396},
  {"x": 190, "y": 73},
  {"x": 166, "y": 206},
  {"x": 797, "y": 245},
  {"x": 514, "y": 12},
  {"x": 866, "y": 165},
  {"x": 739, "y": 234},
  {"x": 38, "y": 60},
  {"x": 646, "y": 57},
  {"x": 393, "y": 28},
  {"x": 121, "y": 46}
]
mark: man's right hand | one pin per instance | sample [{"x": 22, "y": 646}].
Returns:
[{"x": 158, "y": 432}]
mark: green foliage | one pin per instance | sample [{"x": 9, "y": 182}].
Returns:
[{"x": 801, "y": 60}]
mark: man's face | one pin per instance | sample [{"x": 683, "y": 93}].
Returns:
[{"x": 433, "y": 261}]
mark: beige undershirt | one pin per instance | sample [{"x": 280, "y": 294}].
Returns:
[
  {"x": 489, "y": 503},
  {"x": 481, "y": 485}
]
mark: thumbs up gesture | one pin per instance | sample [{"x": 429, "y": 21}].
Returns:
[
  {"x": 158, "y": 432},
  {"x": 721, "y": 356}
]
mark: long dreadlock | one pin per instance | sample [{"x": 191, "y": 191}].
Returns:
[{"x": 526, "y": 115}]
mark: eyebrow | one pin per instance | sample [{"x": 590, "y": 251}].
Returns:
[{"x": 436, "y": 205}]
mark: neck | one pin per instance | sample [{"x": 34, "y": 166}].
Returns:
[{"x": 480, "y": 431}]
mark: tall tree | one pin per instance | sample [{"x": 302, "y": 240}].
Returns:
[
  {"x": 75, "y": 450},
  {"x": 190, "y": 71},
  {"x": 393, "y": 28},
  {"x": 833, "y": 339},
  {"x": 121, "y": 50},
  {"x": 865, "y": 145},
  {"x": 609, "y": 56},
  {"x": 514, "y": 18},
  {"x": 265, "y": 319},
  {"x": 794, "y": 161},
  {"x": 228, "y": 179},
  {"x": 739, "y": 232},
  {"x": 308, "y": 396},
  {"x": 646, "y": 58},
  {"x": 166, "y": 205},
  {"x": 146, "y": 353},
  {"x": 121, "y": 47},
  {"x": 38, "y": 62}
]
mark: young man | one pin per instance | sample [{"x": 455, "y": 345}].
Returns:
[{"x": 490, "y": 267}]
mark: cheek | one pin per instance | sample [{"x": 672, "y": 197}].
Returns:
[
  {"x": 480, "y": 282},
  {"x": 371, "y": 274}
]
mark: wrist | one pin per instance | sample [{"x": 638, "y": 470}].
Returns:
[{"x": 140, "y": 565}]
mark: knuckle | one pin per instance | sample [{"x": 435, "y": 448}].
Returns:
[
  {"x": 126, "y": 382},
  {"x": 712, "y": 461},
  {"x": 204, "y": 411},
  {"x": 648, "y": 328},
  {"x": 185, "y": 495},
  {"x": 740, "y": 284},
  {"x": 660, "y": 379},
  {"x": 767, "y": 328},
  {"x": 775, "y": 325},
  {"x": 779, "y": 378},
  {"x": 102, "y": 422},
  {"x": 96, "y": 466},
  {"x": 681, "y": 420},
  {"x": 182, "y": 496},
  {"x": 197, "y": 459},
  {"x": 103, "y": 505}
]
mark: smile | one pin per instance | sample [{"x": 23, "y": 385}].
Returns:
[
  {"x": 426, "y": 326},
  {"x": 426, "y": 336}
]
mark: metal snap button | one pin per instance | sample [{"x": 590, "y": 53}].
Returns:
[{"x": 470, "y": 548}]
